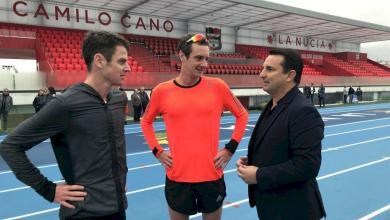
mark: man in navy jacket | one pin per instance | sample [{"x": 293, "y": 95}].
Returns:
[{"x": 284, "y": 153}]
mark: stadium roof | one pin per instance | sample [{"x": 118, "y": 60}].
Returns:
[{"x": 251, "y": 14}]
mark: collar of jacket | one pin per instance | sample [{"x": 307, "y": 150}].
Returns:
[
  {"x": 289, "y": 96},
  {"x": 88, "y": 89}
]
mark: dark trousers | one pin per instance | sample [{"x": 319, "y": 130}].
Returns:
[
  {"x": 350, "y": 99},
  {"x": 137, "y": 112},
  {"x": 345, "y": 98},
  {"x": 144, "y": 105},
  {"x": 4, "y": 120},
  {"x": 321, "y": 101}
]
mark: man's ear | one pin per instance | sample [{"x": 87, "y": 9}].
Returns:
[
  {"x": 182, "y": 56},
  {"x": 291, "y": 75},
  {"x": 99, "y": 60}
]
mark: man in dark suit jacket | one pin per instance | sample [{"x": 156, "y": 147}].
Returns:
[{"x": 284, "y": 153}]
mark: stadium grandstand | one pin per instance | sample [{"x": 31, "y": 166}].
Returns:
[
  {"x": 50, "y": 33},
  {"x": 40, "y": 47}
]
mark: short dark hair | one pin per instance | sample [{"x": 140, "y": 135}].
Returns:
[
  {"x": 292, "y": 61},
  {"x": 101, "y": 42},
  {"x": 185, "y": 45},
  {"x": 52, "y": 91}
]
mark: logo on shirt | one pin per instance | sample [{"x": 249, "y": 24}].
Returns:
[{"x": 219, "y": 198}]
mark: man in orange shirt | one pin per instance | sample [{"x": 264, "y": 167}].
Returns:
[{"x": 191, "y": 105}]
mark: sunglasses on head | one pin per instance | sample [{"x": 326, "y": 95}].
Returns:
[{"x": 197, "y": 38}]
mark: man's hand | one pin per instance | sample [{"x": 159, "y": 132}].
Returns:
[
  {"x": 66, "y": 193},
  {"x": 247, "y": 173},
  {"x": 242, "y": 161},
  {"x": 222, "y": 158},
  {"x": 166, "y": 159}
]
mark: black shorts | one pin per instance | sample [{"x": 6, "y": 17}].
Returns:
[
  {"x": 115, "y": 216},
  {"x": 190, "y": 198}
]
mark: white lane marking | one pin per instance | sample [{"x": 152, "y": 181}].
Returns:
[
  {"x": 375, "y": 213},
  {"x": 225, "y": 206},
  {"x": 353, "y": 131},
  {"x": 319, "y": 178},
  {"x": 149, "y": 152},
  {"x": 239, "y": 150}
]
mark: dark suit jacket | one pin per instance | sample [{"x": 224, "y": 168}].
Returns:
[{"x": 288, "y": 154}]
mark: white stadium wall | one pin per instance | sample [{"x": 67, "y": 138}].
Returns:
[
  {"x": 347, "y": 47},
  {"x": 268, "y": 39},
  {"x": 6, "y": 80},
  {"x": 26, "y": 81},
  {"x": 22, "y": 81},
  {"x": 251, "y": 37}
]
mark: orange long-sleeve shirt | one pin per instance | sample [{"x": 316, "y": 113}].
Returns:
[{"x": 192, "y": 118}]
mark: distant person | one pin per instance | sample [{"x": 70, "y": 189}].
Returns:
[
  {"x": 345, "y": 95},
  {"x": 144, "y": 99},
  {"x": 6, "y": 103},
  {"x": 137, "y": 105},
  {"x": 313, "y": 91},
  {"x": 321, "y": 95},
  {"x": 351, "y": 93},
  {"x": 51, "y": 94},
  {"x": 359, "y": 94},
  {"x": 39, "y": 100},
  {"x": 307, "y": 91}
]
